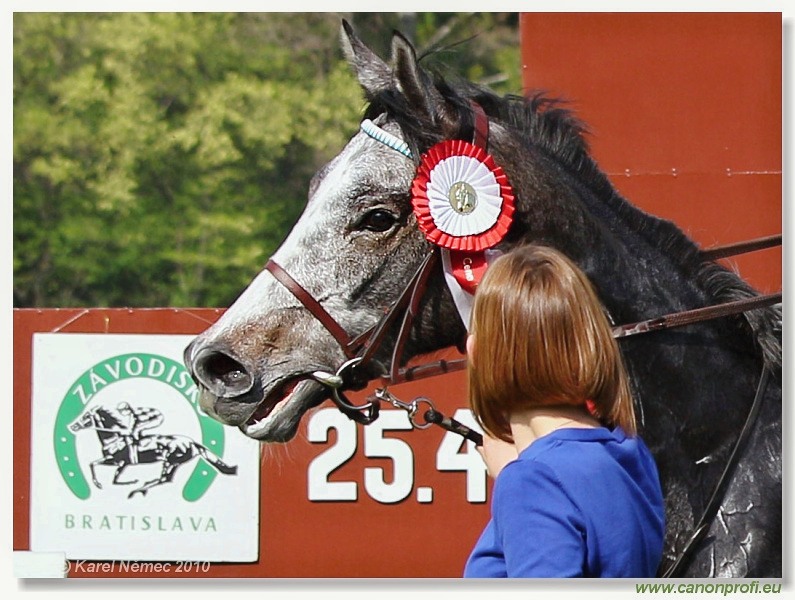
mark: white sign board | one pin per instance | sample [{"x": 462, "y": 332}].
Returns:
[{"x": 125, "y": 465}]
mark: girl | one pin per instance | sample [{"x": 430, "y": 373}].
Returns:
[{"x": 576, "y": 491}]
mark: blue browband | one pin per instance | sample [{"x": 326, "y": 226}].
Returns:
[{"x": 386, "y": 138}]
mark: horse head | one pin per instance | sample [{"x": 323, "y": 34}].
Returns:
[
  {"x": 98, "y": 417},
  {"x": 353, "y": 249},
  {"x": 84, "y": 421}
]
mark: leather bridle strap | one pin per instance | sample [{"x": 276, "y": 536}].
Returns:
[
  {"x": 697, "y": 315},
  {"x": 410, "y": 298},
  {"x": 418, "y": 287},
  {"x": 688, "y": 317},
  {"x": 313, "y": 306},
  {"x": 719, "y": 252},
  {"x": 364, "y": 346},
  {"x": 480, "y": 135}
]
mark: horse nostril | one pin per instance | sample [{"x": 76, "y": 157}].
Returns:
[{"x": 221, "y": 374}]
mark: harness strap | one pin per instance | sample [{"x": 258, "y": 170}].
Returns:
[
  {"x": 407, "y": 297},
  {"x": 433, "y": 369},
  {"x": 363, "y": 347},
  {"x": 417, "y": 293},
  {"x": 713, "y": 505},
  {"x": 697, "y": 315},
  {"x": 670, "y": 321},
  {"x": 740, "y": 247},
  {"x": 320, "y": 313}
]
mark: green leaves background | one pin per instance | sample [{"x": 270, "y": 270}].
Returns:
[{"x": 160, "y": 158}]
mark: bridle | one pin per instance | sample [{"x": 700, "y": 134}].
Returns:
[{"x": 360, "y": 350}]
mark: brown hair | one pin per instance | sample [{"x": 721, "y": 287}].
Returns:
[{"x": 542, "y": 339}]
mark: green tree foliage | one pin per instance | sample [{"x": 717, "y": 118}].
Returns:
[{"x": 159, "y": 158}]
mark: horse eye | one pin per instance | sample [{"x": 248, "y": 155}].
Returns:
[{"x": 378, "y": 220}]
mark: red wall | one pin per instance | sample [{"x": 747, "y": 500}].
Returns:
[{"x": 684, "y": 111}]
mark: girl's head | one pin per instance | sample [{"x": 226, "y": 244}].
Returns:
[{"x": 540, "y": 337}]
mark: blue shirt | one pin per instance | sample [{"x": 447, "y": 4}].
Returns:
[{"x": 576, "y": 503}]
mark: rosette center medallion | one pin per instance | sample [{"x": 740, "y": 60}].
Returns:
[{"x": 463, "y": 197}]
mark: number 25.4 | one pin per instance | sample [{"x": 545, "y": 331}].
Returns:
[{"x": 376, "y": 445}]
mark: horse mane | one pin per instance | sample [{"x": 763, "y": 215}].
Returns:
[{"x": 547, "y": 125}]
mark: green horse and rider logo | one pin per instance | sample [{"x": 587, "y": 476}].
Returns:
[{"x": 125, "y": 430}]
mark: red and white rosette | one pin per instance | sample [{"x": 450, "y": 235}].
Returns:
[
  {"x": 463, "y": 203},
  {"x": 462, "y": 199}
]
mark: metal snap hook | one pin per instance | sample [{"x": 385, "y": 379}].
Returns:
[
  {"x": 411, "y": 408},
  {"x": 416, "y": 402}
]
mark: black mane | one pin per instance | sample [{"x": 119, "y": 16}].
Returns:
[{"x": 547, "y": 125}]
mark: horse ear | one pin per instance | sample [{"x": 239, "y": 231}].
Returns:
[
  {"x": 418, "y": 88},
  {"x": 374, "y": 74},
  {"x": 408, "y": 75}
]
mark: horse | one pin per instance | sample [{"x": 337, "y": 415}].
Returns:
[
  {"x": 121, "y": 450},
  {"x": 350, "y": 257}
]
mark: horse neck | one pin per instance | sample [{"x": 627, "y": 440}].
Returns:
[{"x": 641, "y": 265}]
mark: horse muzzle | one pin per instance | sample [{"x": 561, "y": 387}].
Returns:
[
  {"x": 231, "y": 391},
  {"x": 227, "y": 389},
  {"x": 220, "y": 373}
]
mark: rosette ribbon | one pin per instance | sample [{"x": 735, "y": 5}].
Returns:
[{"x": 464, "y": 203}]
